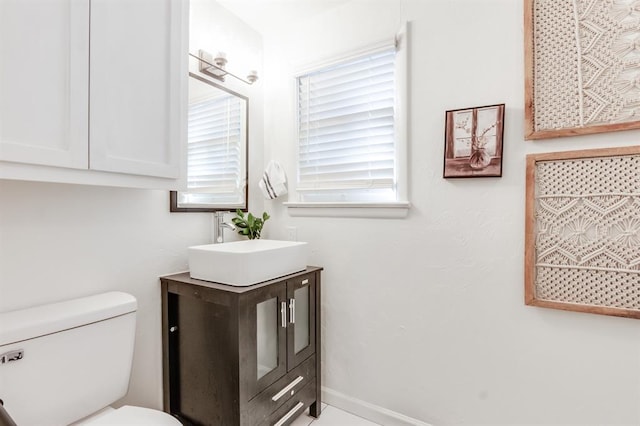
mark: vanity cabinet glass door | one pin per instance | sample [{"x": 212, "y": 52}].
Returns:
[
  {"x": 282, "y": 319},
  {"x": 267, "y": 351},
  {"x": 301, "y": 330}
]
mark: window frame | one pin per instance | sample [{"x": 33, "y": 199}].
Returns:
[{"x": 399, "y": 207}]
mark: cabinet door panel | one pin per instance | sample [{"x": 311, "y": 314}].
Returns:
[
  {"x": 301, "y": 338},
  {"x": 203, "y": 357},
  {"x": 44, "y": 86},
  {"x": 267, "y": 342},
  {"x": 267, "y": 336},
  {"x": 138, "y": 70}
]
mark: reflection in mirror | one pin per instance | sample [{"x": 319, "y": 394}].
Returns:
[{"x": 216, "y": 149}]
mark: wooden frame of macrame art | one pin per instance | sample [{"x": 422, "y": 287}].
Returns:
[
  {"x": 582, "y": 67},
  {"x": 582, "y": 232}
]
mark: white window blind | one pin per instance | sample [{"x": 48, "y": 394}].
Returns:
[
  {"x": 346, "y": 130},
  {"x": 214, "y": 152}
]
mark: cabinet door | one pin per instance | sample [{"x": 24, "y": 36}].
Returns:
[
  {"x": 138, "y": 78},
  {"x": 266, "y": 347},
  {"x": 44, "y": 82},
  {"x": 202, "y": 350},
  {"x": 301, "y": 331}
]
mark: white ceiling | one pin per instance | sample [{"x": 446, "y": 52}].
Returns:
[{"x": 266, "y": 16}]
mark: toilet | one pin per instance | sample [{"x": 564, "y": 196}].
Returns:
[{"x": 65, "y": 363}]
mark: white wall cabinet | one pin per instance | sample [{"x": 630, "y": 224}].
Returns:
[{"x": 94, "y": 91}]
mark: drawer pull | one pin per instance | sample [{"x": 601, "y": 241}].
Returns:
[
  {"x": 286, "y": 389},
  {"x": 290, "y": 414},
  {"x": 305, "y": 281}
]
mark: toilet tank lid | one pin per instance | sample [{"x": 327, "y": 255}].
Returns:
[{"x": 24, "y": 324}]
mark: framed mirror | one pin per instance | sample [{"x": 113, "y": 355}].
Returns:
[{"x": 217, "y": 150}]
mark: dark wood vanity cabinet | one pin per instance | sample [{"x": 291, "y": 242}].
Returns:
[{"x": 241, "y": 355}]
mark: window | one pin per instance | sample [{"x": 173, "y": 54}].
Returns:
[
  {"x": 351, "y": 130},
  {"x": 216, "y": 150}
]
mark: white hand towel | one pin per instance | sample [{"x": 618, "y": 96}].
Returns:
[{"x": 274, "y": 181}]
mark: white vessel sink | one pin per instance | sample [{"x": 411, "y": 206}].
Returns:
[{"x": 244, "y": 263}]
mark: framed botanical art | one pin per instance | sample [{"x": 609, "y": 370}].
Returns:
[
  {"x": 582, "y": 67},
  {"x": 582, "y": 231},
  {"x": 473, "y": 142}
]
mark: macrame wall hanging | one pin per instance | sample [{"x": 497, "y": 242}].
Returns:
[
  {"x": 582, "y": 242},
  {"x": 582, "y": 67}
]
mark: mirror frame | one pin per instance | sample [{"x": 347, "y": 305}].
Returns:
[{"x": 173, "y": 195}]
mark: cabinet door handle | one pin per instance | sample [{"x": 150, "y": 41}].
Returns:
[
  {"x": 283, "y": 314},
  {"x": 287, "y": 388},
  {"x": 292, "y": 311},
  {"x": 290, "y": 414},
  {"x": 305, "y": 281}
]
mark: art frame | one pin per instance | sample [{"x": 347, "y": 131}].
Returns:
[
  {"x": 581, "y": 68},
  {"x": 582, "y": 231},
  {"x": 473, "y": 142}
]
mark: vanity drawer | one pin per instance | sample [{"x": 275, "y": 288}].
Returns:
[
  {"x": 293, "y": 408},
  {"x": 302, "y": 280},
  {"x": 266, "y": 402}
]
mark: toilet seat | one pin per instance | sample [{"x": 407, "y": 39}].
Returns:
[{"x": 134, "y": 416}]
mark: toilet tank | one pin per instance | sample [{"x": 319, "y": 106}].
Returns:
[{"x": 64, "y": 361}]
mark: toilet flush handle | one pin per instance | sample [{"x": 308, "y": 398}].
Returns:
[{"x": 16, "y": 355}]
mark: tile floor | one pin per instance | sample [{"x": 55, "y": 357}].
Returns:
[{"x": 332, "y": 416}]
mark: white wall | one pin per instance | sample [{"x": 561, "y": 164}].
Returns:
[
  {"x": 60, "y": 241},
  {"x": 424, "y": 316},
  {"x": 64, "y": 241}
]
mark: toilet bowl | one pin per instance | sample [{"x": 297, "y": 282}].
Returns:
[
  {"x": 65, "y": 363},
  {"x": 129, "y": 415}
]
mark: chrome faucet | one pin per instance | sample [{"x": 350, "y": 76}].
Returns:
[{"x": 220, "y": 224}]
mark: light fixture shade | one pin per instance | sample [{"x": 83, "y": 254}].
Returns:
[
  {"x": 220, "y": 60},
  {"x": 253, "y": 76}
]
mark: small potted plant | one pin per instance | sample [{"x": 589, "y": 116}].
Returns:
[{"x": 249, "y": 225}]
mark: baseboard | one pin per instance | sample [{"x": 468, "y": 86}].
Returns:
[{"x": 368, "y": 411}]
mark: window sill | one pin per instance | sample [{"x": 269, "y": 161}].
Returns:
[{"x": 395, "y": 210}]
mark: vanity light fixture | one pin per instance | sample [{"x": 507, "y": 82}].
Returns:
[
  {"x": 253, "y": 76},
  {"x": 216, "y": 67}
]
